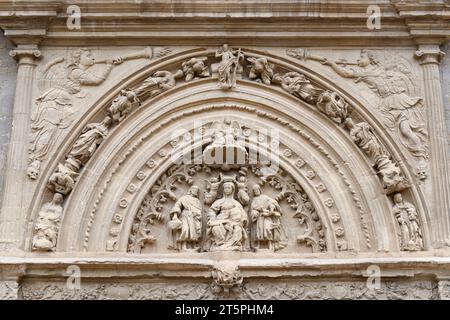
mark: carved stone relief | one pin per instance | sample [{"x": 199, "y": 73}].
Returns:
[
  {"x": 394, "y": 83},
  {"x": 224, "y": 138},
  {"x": 63, "y": 79}
]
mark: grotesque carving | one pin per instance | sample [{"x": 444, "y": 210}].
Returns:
[
  {"x": 226, "y": 277},
  {"x": 229, "y": 67},
  {"x": 91, "y": 137},
  {"x": 408, "y": 220},
  {"x": 333, "y": 105},
  {"x": 297, "y": 85},
  {"x": 62, "y": 180},
  {"x": 186, "y": 221},
  {"x": 227, "y": 221},
  {"x": 260, "y": 70},
  {"x": 266, "y": 216},
  {"x": 47, "y": 225},
  {"x": 401, "y": 110},
  {"x": 195, "y": 68},
  {"x": 390, "y": 174},
  {"x": 125, "y": 102},
  {"x": 159, "y": 82}
]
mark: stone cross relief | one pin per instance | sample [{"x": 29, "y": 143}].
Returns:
[{"x": 227, "y": 225}]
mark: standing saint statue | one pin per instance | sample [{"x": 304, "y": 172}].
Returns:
[
  {"x": 407, "y": 218},
  {"x": 47, "y": 225},
  {"x": 265, "y": 212},
  {"x": 227, "y": 221},
  {"x": 186, "y": 221},
  {"x": 230, "y": 65}
]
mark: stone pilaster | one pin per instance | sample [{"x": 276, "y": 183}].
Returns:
[
  {"x": 12, "y": 215},
  {"x": 429, "y": 57}
]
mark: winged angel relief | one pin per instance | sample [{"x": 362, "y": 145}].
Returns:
[
  {"x": 63, "y": 79},
  {"x": 394, "y": 83}
]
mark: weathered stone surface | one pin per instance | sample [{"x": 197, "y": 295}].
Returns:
[{"x": 217, "y": 164}]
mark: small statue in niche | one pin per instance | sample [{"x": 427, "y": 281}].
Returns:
[
  {"x": 125, "y": 102},
  {"x": 47, "y": 225},
  {"x": 390, "y": 174},
  {"x": 159, "y": 82},
  {"x": 186, "y": 221},
  {"x": 260, "y": 70},
  {"x": 333, "y": 105},
  {"x": 297, "y": 85},
  {"x": 85, "y": 146},
  {"x": 63, "y": 180},
  {"x": 230, "y": 66},
  {"x": 408, "y": 220},
  {"x": 195, "y": 68},
  {"x": 266, "y": 214},
  {"x": 227, "y": 221}
]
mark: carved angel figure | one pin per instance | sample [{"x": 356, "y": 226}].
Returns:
[
  {"x": 266, "y": 214},
  {"x": 47, "y": 225},
  {"x": 408, "y": 220},
  {"x": 54, "y": 107},
  {"x": 195, "y": 67},
  {"x": 362, "y": 134},
  {"x": 90, "y": 138},
  {"x": 401, "y": 110},
  {"x": 186, "y": 221},
  {"x": 159, "y": 82},
  {"x": 123, "y": 104},
  {"x": 260, "y": 70},
  {"x": 227, "y": 221},
  {"x": 229, "y": 66},
  {"x": 297, "y": 85}
]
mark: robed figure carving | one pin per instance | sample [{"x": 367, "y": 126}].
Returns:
[
  {"x": 227, "y": 221},
  {"x": 186, "y": 222},
  {"x": 266, "y": 215}
]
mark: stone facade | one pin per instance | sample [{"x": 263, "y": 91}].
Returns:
[{"x": 154, "y": 158}]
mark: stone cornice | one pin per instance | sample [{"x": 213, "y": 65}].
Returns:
[{"x": 276, "y": 22}]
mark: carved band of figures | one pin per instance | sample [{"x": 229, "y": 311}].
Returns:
[{"x": 54, "y": 112}]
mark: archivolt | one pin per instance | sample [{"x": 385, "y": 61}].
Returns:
[{"x": 330, "y": 152}]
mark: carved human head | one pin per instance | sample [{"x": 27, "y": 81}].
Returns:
[
  {"x": 228, "y": 188},
  {"x": 83, "y": 57},
  {"x": 398, "y": 198},
  {"x": 256, "y": 190},
  {"x": 58, "y": 198},
  {"x": 365, "y": 58},
  {"x": 225, "y": 47},
  {"x": 194, "y": 191},
  {"x": 107, "y": 121},
  {"x": 349, "y": 123}
]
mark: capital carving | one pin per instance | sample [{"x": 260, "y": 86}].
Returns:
[
  {"x": 429, "y": 55},
  {"x": 26, "y": 56}
]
